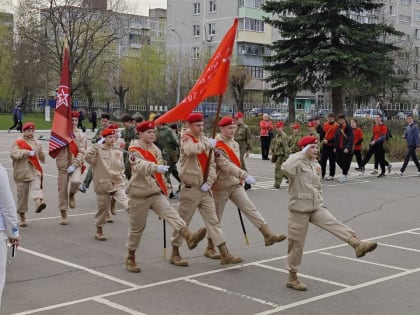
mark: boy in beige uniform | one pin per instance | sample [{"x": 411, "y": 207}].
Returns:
[
  {"x": 198, "y": 173},
  {"x": 228, "y": 184},
  {"x": 108, "y": 177},
  {"x": 70, "y": 164},
  {"x": 26, "y": 154},
  {"x": 148, "y": 190},
  {"x": 306, "y": 205}
]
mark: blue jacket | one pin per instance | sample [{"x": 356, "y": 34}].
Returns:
[{"x": 412, "y": 135}]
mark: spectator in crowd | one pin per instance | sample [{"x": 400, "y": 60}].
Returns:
[
  {"x": 266, "y": 133},
  {"x": 357, "y": 143},
  {"x": 81, "y": 118},
  {"x": 327, "y": 150},
  {"x": 411, "y": 135},
  {"x": 93, "y": 119},
  {"x": 343, "y": 142}
]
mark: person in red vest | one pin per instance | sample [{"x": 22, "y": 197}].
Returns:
[
  {"x": 357, "y": 143},
  {"x": 70, "y": 168},
  {"x": 327, "y": 150},
  {"x": 266, "y": 133},
  {"x": 148, "y": 190},
  {"x": 198, "y": 174},
  {"x": 229, "y": 183},
  {"x": 107, "y": 162},
  {"x": 379, "y": 131},
  {"x": 26, "y": 154}
]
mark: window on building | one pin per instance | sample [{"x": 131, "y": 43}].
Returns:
[
  {"x": 251, "y": 3},
  {"x": 405, "y": 2},
  {"x": 417, "y": 51},
  {"x": 255, "y": 72},
  {"x": 417, "y": 15},
  {"x": 417, "y": 33},
  {"x": 196, "y": 8},
  {"x": 404, "y": 19},
  {"x": 212, "y": 6},
  {"x": 416, "y": 68},
  {"x": 196, "y": 30},
  {"x": 251, "y": 24},
  {"x": 415, "y": 86},
  {"x": 196, "y": 52},
  {"x": 212, "y": 29}
]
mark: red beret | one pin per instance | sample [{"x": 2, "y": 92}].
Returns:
[
  {"x": 108, "y": 132},
  {"x": 195, "y": 117},
  {"x": 296, "y": 126},
  {"x": 239, "y": 115},
  {"x": 113, "y": 126},
  {"x": 303, "y": 142},
  {"x": 226, "y": 121},
  {"x": 75, "y": 114},
  {"x": 279, "y": 124},
  {"x": 145, "y": 125},
  {"x": 311, "y": 124},
  {"x": 28, "y": 125}
]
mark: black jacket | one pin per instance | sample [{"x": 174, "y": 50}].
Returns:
[{"x": 347, "y": 137}]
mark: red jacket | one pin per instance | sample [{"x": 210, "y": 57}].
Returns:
[
  {"x": 266, "y": 126},
  {"x": 357, "y": 138},
  {"x": 379, "y": 132},
  {"x": 329, "y": 132}
]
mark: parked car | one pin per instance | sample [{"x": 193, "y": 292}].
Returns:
[
  {"x": 369, "y": 113},
  {"x": 402, "y": 115},
  {"x": 279, "y": 116}
]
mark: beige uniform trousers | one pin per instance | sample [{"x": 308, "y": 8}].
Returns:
[
  {"x": 104, "y": 204},
  {"x": 63, "y": 186},
  {"x": 240, "y": 198},
  {"x": 298, "y": 228},
  {"x": 138, "y": 211},
  {"x": 26, "y": 189},
  {"x": 189, "y": 200}
]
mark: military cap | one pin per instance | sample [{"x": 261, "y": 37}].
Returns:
[
  {"x": 311, "y": 124},
  {"x": 113, "y": 126},
  {"x": 145, "y": 125},
  {"x": 226, "y": 121},
  {"x": 108, "y": 132},
  {"x": 296, "y": 126},
  {"x": 195, "y": 117},
  {"x": 28, "y": 125},
  {"x": 279, "y": 124},
  {"x": 75, "y": 114},
  {"x": 303, "y": 142},
  {"x": 239, "y": 115}
]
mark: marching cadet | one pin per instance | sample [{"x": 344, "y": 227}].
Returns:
[
  {"x": 312, "y": 130},
  {"x": 327, "y": 151},
  {"x": 148, "y": 190},
  {"x": 107, "y": 162},
  {"x": 198, "y": 173},
  {"x": 243, "y": 138},
  {"x": 105, "y": 121},
  {"x": 357, "y": 143},
  {"x": 228, "y": 185},
  {"x": 70, "y": 167},
  {"x": 294, "y": 138},
  {"x": 280, "y": 150},
  {"x": 168, "y": 143},
  {"x": 26, "y": 154},
  {"x": 128, "y": 134},
  {"x": 306, "y": 205}
]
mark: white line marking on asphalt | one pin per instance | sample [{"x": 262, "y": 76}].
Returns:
[
  {"x": 76, "y": 266},
  {"x": 412, "y": 232},
  {"x": 305, "y": 276},
  {"x": 338, "y": 292},
  {"x": 253, "y": 299},
  {"x": 349, "y": 182},
  {"x": 117, "y": 306},
  {"x": 364, "y": 261},
  {"x": 401, "y": 247},
  {"x": 200, "y": 274}
]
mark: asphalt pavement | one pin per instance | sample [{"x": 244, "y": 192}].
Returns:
[{"x": 64, "y": 270}]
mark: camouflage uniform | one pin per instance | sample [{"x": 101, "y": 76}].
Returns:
[
  {"x": 280, "y": 152},
  {"x": 243, "y": 137},
  {"x": 293, "y": 140},
  {"x": 169, "y": 145},
  {"x": 127, "y": 134}
]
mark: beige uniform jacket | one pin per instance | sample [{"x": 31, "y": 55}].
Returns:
[
  {"x": 108, "y": 168},
  {"x": 228, "y": 174},
  {"x": 64, "y": 159},
  {"x": 190, "y": 170},
  {"x": 305, "y": 193},
  {"x": 23, "y": 171},
  {"x": 142, "y": 183}
]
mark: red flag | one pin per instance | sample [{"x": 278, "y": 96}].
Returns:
[
  {"x": 62, "y": 126},
  {"x": 212, "y": 81}
]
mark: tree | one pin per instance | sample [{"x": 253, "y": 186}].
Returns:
[
  {"x": 120, "y": 91},
  {"x": 6, "y": 54},
  {"x": 92, "y": 36},
  {"x": 322, "y": 46},
  {"x": 238, "y": 78}
]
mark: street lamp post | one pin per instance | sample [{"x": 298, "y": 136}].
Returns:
[{"x": 178, "y": 87}]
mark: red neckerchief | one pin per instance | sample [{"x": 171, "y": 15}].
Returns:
[
  {"x": 32, "y": 159},
  {"x": 230, "y": 153},
  {"x": 149, "y": 156},
  {"x": 202, "y": 157}
]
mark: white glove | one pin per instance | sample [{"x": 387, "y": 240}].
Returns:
[
  {"x": 213, "y": 142},
  {"x": 119, "y": 134},
  {"x": 71, "y": 169},
  {"x": 250, "y": 180},
  {"x": 205, "y": 187},
  {"x": 162, "y": 169},
  {"x": 32, "y": 153},
  {"x": 101, "y": 141}
]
